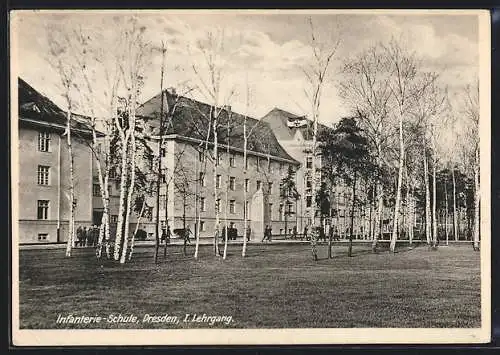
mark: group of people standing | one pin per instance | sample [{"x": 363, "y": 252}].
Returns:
[{"x": 87, "y": 237}]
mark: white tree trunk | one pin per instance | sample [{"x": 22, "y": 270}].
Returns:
[
  {"x": 394, "y": 235},
  {"x": 132, "y": 242},
  {"x": 216, "y": 161},
  {"x": 245, "y": 194},
  {"x": 380, "y": 199},
  {"x": 71, "y": 227},
  {"x": 476, "y": 201},
  {"x": 446, "y": 209},
  {"x": 434, "y": 215},
  {"x": 103, "y": 177},
  {"x": 123, "y": 190},
  {"x": 455, "y": 216},
  {"x": 131, "y": 186},
  {"x": 427, "y": 203}
]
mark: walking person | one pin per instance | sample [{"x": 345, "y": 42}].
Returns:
[
  {"x": 187, "y": 233},
  {"x": 305, "y": 233},
  {"x": 294, "y": 232},
  {"x": 168, "y": 235},
  {"x": 163, "y": 235},
  {"x": 266, "y": 231},
  {"x": 248, "y": 232},
  {"x": 187, "y": 240}
]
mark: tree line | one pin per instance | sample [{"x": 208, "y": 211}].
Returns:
[{"x": 411, "y": 146}]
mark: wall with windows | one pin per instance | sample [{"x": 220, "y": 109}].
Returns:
[
  {"x": 194, "y": 178},
  {"x": 44, "y": 185}
]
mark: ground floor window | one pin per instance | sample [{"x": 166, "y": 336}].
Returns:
[{"x": 43, "y": 209}]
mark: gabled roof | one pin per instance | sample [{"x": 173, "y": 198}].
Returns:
[
  {"x": 278, "y": 120},
  {"x": 36, "y": 109},
  {"x": 191, "y": 120}
]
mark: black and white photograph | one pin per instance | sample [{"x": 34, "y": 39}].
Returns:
[{"x": 232, "y": 177}]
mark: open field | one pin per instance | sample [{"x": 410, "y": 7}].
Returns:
[{"x": 276, "y": 286}]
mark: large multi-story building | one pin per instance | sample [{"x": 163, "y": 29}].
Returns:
[
  {"x": 294, "y": 133},
  {"x": 43, "y": 170},
  {"x": 191, "y": 173}
]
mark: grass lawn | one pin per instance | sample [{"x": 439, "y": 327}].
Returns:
[{"x": 276, "y": 286}]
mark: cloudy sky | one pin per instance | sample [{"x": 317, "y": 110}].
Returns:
[{"x": 266, "y": 51}]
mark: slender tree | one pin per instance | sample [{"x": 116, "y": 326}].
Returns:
[{"x": 316, "y": 76}]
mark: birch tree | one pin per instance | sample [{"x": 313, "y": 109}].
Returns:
[
  {"x": 408, "y": 81},
  {"x": 210, "y": 76},
  {"x": 366, "y": 90},
  {"x": 470, "y": 108},
  {"x": 132, "y": 59},
  {"x": 63, "y": 63},
  {"x": 316, "y": 74}
]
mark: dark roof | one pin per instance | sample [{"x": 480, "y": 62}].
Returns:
[
  {"x": 278, "y": 118},
  {"x": 36, "y": 109},
  {"x": 191, "y": 119}
]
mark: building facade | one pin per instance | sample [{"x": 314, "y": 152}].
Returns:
[
  {"x": 43, "y": 171},
  {"x": 194, "y": 183}
]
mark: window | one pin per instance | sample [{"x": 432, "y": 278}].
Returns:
[
  {"x": 114, "y": 218},
  {"x": 203, "y": 206},
  {"x": 246, "y": 184},
  {"x": 232, "y": 183},
  {"x": 200, "y": 156},
  {"x": 231, "y": 206},
  {"x": 309, "y": 162},
  {"x": 148, "y": 213},
  {"x": 245, "y": 212},
  {"x": 202, "y": 179},
  {"x": 218, "y": 181},
  {"x": 43, "y": 141},
  {"x": 289, "y": 208},
  {"x": 281, "y": 212},
  {"x": 308, "y": 201},
  {"x": 258, "y": 163},
  {"x": 259, "y": 183},
  {"x": 163, "y": 152},
  {"x": 217, "y": 205},
  {"x": 270, "y": 211},
  {"x": 232, "y": 161},
  {"x": 269, "y": 165},
  {"x": 96, "y": 190},
  {"x": 270, "y": 187},
  {"x": 112, "y": 173},
  {"x": 163, "y": 201},
  {"x": 246, "y": 163},
  {"x": 43, "y": 175},
  {"x": 219, "y": 158},
  {"x": 202, "y": 226},
  {"x": 151, "y": 162},
  {"x": 43, "y": 237},
  {"x": 117, "y": 185},
  {"x": 164, "y": 176},
  {"x": 309, "y": 185},
  {"x": 43, "y": 209}
]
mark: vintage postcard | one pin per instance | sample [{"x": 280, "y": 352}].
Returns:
[{"x": 250, "y": 177}]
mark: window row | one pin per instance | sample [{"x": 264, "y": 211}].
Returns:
[{"x": 260, "y": 162}]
